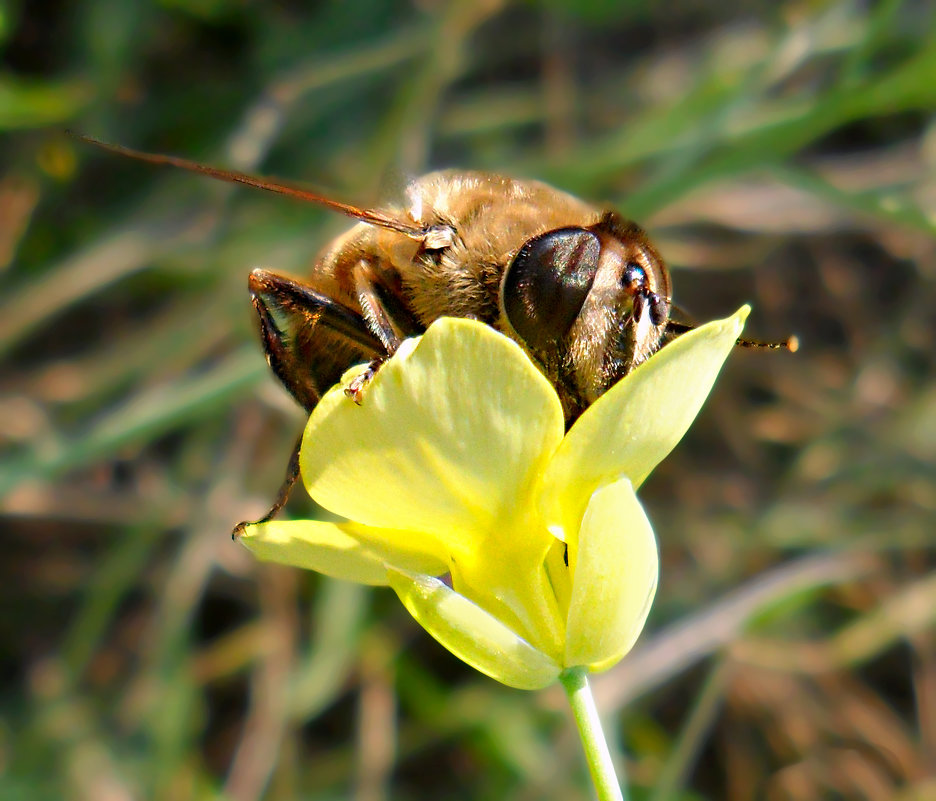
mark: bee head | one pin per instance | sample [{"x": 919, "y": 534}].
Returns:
[{"x": 604, "y": 282}]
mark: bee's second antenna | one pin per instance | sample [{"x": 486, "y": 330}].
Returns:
[{"x": 791, "y": 344}]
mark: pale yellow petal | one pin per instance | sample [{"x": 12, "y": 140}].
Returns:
[
  {"x": 472, "y": 634},
  {"x": 614, "y": 580},
  {"x": 516, "y": 588},
  {"x": 343, "y": 550},
  {"x": 448, "y": 438},
  {"x": 632, "y": 427}
]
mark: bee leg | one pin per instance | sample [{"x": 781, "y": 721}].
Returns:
[
  {"x": 383, "y": 308},
  {"x": 292, "y": 476},
  {"x": 386, "y": 318}
]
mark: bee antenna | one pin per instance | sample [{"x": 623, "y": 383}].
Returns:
[
  {"x": 791, "y": 343},
  {"x": 371, "y": 216}
]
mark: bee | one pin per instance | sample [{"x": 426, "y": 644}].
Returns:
[{"x": 582, "y": 290}]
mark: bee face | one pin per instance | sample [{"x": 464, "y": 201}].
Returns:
[{"x": 591, "y": 303}]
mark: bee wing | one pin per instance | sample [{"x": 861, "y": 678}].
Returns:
[{"x": 309, "y": 338}]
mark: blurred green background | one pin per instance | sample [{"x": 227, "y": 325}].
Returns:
[{"x": 780, "y": 153}]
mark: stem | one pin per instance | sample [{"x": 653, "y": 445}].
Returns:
[{"x": 575, "y": 682}]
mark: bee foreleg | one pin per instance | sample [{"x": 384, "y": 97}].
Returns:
[
  {"x": 383, "y": 309},
  {"x": 386, "y": 317}
]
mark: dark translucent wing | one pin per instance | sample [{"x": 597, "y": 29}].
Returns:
[{"x": 310, "y": 339}]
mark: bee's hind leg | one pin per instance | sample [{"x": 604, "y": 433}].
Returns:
[{"x": 292, "y": 476}]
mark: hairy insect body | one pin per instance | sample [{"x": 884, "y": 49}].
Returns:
[{"x": 582, "y": 291}]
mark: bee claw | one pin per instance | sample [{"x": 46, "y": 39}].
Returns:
[
  {"x": 292, "y": 476},
  {"x": 355, "y": 389}
]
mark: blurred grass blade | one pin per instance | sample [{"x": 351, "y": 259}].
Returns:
[{"x": 145, "y": 417}]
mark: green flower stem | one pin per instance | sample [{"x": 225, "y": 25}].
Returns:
[{"x": 575, "y": 681}]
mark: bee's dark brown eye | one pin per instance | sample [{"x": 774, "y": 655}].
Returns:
[{"x": 547, "y": 283}]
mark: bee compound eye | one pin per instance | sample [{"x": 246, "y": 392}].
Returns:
[{"x": 547, "y": 282}]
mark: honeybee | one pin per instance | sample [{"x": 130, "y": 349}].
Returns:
[{"x": 582, "y": 290}]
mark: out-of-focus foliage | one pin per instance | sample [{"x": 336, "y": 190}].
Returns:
[{"x": 780, "y": 153}]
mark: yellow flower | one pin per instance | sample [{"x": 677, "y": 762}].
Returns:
[{"x": 521, "y": 548}]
